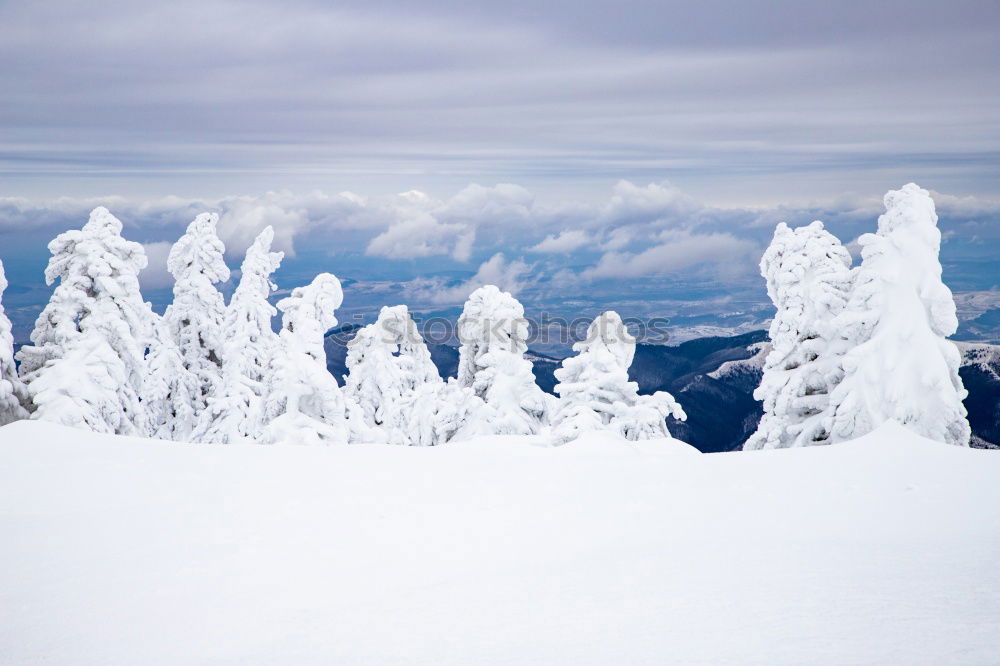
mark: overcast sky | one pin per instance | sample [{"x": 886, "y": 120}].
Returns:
[
  {"x": 567, "y": 151},
  {"x": 746, "y": 102}
]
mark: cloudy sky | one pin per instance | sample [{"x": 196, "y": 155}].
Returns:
[{"x": 557, "y": 148}]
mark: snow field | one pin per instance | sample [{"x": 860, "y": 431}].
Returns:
[{"x": 496, "y": 550}]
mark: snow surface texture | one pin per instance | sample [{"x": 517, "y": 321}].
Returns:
[{"x": 495, "y": 551}]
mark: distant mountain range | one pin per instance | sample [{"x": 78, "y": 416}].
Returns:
[
  {"x": 714, "y": 379},
  {"x": 986, "y": 326}
]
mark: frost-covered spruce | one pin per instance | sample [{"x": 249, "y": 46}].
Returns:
[
  {"x": 438, "y": 412},
  {"x": 396, "y": 387},
  {"x": 170, "y": 391},
  {"x": 303, "y": 403},
  {"x": 808, "y": 274},
  {"x": 374, "y": 380},
  {"x": 596, "y": 394},
  {"x": 367, "y": 364},
  {"x": 493, "y": 334},
  {"x": 414, "y": 357},
  {"x": 196, "y": 317},
  {"x": 385, "y": 361},
  {"x": 85, "y": 367},
  {"x": 234, "y": 412},
  {"x": 901, "y": 366},
  {"x": 646, "y": 418},
  {"x": 15, "y": 402}
]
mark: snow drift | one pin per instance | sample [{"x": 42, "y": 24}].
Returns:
[{"x": 495, "y": 550}]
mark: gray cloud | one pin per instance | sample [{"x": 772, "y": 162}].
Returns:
[
  {"x": 567, "y": 241},
  {"x": 743, "y": 102},
  {"x": 512, "y": 276},
  {"x": 677, "y": 252},
  {"x": 636, "y": 230},
  {"x": 635, "y": 248},
  {"x": 418, "y": 236}
]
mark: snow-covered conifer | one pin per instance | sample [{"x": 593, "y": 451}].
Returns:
[
  {"x": 374, "y": 380},
  {"x": 493, "y": 334},
  {"x": 86, "y": 366},
  {"x": 808, "y": 274},
  {"x": 594, "y": 381},
  {"x": 303, "y": 403},
  {"x": 438, "y": 412},
  {"x": 170, "y": 390},
  {"x": 397, "y": 388},
  {"x": 595, "y": 391},
  {"x": 646, "y": 418},
  {"x": 900, "y": 365},
  {"x": 14, "y": 398},
  {"x": 196, "y": 317},
  {"x": 234, "y": 411},
  {"x": 414, "y": 357}
]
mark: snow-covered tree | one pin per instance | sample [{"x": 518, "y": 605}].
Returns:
[
  {"x": 171, "y": 391},
  {"x": 303, "y": 402},
  {"x": 808, "y": 274},
  {"x": 595, "y": 381},
  {"x": 900, "y": 365},
  {"x": 235, "y": 410},
  {"x": 438, "y": 412},
  {"x": 596, "y": 394},
  {"x": 646, "y": 418},
  {"x": 414, "y": 357},
  {"x": 86, "y": 366},
  {"x": 15, "y": 402},
  {"x": 196, "y": 317},
  {"x": 396, "y": 387},
  {"x": 375, "y": 381},
  {"x": 493, "y": 334}
]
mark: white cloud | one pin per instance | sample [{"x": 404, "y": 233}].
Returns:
[
  {"x": 854, "y": 247},
  {"x": 503, "y": 203},
  {"x": 463, "y": 246},
  {"x": 243, "y": 219},
  {"x": 420, "y": 236},
  {"x": 498, "y": 271},
  {"x": 640, "y": 229},
  {"x": 680, "y": 250},
  {"x": 420, "y": 226},
  {"x": 507, "y": 275},
  {"x": 618, "y": 238},
  {"x": 655, "y": 202},
  {"x": 565, "y": 243},
  {"x": 156, "y": 275}
]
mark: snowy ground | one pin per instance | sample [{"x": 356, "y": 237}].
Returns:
[{"x": 118, "y": 551}]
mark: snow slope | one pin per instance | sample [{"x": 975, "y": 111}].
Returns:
[{"x": 495, "y": 551}]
